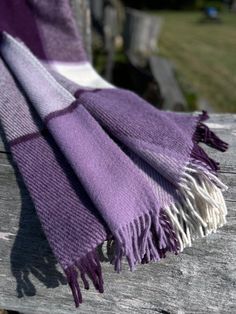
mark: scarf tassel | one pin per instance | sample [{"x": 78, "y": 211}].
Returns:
[
  {"x": 201, "y": 208},
  {"x": 201, "y": 157},
  {"x": 88, "y": 266},
  {"x": 205, "y": 135},
  {"x": 146, "y": 239}
]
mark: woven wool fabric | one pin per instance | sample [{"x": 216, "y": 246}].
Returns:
[
  {"x": 47, "y": 27},
  {"x": 102, "y": 164},
  {"x": 70, "y": 221}
]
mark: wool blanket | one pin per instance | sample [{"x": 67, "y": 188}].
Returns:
[{"x": 100, "y": 163}]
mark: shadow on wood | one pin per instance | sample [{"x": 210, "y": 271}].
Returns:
[
  {"x": 201, "y": 279},
  {"x": 30, "y": 253}
]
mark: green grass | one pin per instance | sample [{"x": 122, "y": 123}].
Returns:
[{"x": 204, "y": 55}]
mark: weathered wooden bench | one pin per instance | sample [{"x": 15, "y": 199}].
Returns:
[
  {"x": 202, "y": 279},
  {"x": 163, "y": 72}
]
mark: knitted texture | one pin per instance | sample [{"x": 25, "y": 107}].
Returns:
[{"x": 102, "y": 164}]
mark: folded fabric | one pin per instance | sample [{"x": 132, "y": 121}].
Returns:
[
  {"x": 102, "y": 164},
  {"x": 50, "y": 29}
]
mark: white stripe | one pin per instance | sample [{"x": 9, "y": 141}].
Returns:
[{"x": 82, "y": 74}]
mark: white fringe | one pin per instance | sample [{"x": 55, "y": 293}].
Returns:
[{"x": 201, "y": 209}]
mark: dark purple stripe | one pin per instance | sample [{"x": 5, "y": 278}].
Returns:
[
  {"x": 79, "y": 92},
  {"x": 28, "y": 137},
  {"x": 52, "y": 115},
  {"x": 71, "y": 107},
  {"x": 17, "y": 18},
  {"x": 61, "y": 112}
]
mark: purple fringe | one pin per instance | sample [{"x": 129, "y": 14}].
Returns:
[
  {"x": 148, "y": 238},
  {"x": 168, "y": 234},
  {"x": 152, "y": 236},
  {"x": 204, "y": 135},
  {"x": 199, "y": 154},
  {"x": 89, "y": 266},
  {"x": 169, "y": 231}
]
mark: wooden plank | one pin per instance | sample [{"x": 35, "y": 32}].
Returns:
[
  {"x": 141, "y": 33},
  {"x": 202, "y": 279},
  {"x": 163, "y": 72},
  {"x": 81, "y": 9},
  {"x": 110, "y": 32},
  {"x": 233, "y": 6}
]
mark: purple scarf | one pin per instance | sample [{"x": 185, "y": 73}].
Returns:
[{"x": 99, "y": 162}]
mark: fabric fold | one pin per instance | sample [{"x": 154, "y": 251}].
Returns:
[
  {"x": 104, "y": 164},
  {"x": 69, "y": 219},
  {"x": 113, "y": 182},
  {"x": 176, "y": 154}
]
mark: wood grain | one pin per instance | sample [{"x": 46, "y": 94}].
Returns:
[{"x": 200, "y": 280}]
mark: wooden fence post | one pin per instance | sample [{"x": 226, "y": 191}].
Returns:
[
  {"x": 82, "y": 12},
  {"x": 141, "y": 33}
]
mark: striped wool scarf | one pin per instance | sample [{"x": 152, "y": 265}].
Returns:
[{"x": 99, "y": 162}]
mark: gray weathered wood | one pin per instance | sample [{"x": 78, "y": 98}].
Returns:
[
  {"x": 110, "y": 32},
  {"x": 81, "y": 10},
  {"x": 141, "y": 33},
  {"x": 97, "y": 9},
  {"x": 233, "y": 6},
  {"x": 163, "y": 72},
  {"x": 202, "y": 279}
]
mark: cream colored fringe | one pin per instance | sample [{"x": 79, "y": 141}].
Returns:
[{"x": 201, "y": 209}]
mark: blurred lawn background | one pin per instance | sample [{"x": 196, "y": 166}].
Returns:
[
  {"x": 203, "y": 51},
  {"x": 204, "y": 55}
]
